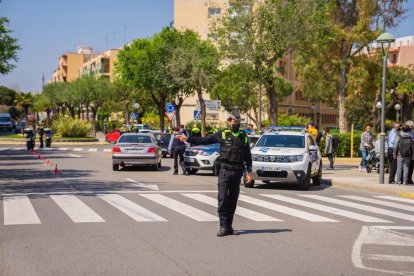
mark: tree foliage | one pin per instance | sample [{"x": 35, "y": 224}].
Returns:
[
  {"x": 7, "y": 96},
  {"x": 8, "y": 47},
  {"x": 340, "y": 33}
]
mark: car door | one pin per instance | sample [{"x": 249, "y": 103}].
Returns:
[{"x": 313, "y": 155}]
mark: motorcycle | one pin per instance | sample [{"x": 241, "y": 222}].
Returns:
[
  {"x": 49, "y": 134},
  {"x": 30, "y": 138}
]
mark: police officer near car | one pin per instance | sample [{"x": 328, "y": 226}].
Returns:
[
  {"x": 235, "y": 157},
  {"x": 177, "y": 149}
]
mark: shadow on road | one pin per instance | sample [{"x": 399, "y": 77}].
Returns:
[{"x": 263, "y": 231}]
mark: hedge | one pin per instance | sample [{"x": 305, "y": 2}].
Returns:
[{"x": 344, "y": 147}]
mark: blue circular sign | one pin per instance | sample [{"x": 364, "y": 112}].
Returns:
[{"x": 169, "y": 107}]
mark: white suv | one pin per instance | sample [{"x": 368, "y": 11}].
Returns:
[{"x": 287, "y": 155}]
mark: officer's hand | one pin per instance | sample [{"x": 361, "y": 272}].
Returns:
[
  {"x": 182, "y": 138},
  {"x": 249, "y": 177}
]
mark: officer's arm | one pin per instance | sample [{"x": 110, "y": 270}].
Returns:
[
  {"x": 248, "y": 155},
  {"x": 212, "y": 139}
]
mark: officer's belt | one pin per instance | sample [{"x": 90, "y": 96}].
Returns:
[{"x": 232, "y": 167}]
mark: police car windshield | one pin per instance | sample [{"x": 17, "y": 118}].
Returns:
[
  {"x": 134, "y": 139},
  {"x": 281, "y": 141}
]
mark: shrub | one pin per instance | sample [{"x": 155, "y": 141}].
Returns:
[
  {"x": 344, "y": 147},
  {"x": 69, "y": 127}
]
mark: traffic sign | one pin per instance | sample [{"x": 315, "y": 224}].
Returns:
[
  {"x": 169, "y": 107},
  {"x": 133, "y": 116},
  {"x": 197, "y": 115},
  {"x": 170, "y": 115}
]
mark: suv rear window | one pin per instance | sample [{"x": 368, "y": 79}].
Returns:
[{"x": 281, "y": 141}]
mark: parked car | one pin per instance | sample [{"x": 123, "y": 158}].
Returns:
[
  {"x": 164, "y": 139},
  {"x": 287, "y": 155},
  {"x": 6, "y": 121},
  {"x": 20, "y": 126},
  {"x": 143, "y": 128},
  {"x": 136, "y": 149},
  {"x": 113, "y": 135}
]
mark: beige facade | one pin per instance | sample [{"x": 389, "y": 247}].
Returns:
[
  {"x": 69, "y": 64},
  {"x": 101, "y": 65},
  {"x": 199, "y": 15},
  {"x": 401, "y": 53}
]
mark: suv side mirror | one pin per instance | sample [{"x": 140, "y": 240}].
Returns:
[{"x": 313, "y": 148}]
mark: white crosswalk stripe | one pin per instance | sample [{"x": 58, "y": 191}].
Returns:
[
  {"x": 63, "y": 149},
  {"x": 19, "y": 210},
  {"x": 107, "y": 150},
  {"x": 1, "y": 149},
  {"x": 381, "y": 202},
  {"x": 362, "y": 207},
  {"x": 181, "y": 208},
  {"x": 130, "y": 208},
  {"x": 285, "y": 210},
  {"x": 78, "y": 149},
  {"x": 243, "y": 212},
  {"x": 93, "y": 149},
  {"x": 76, "y": 209},
  {"x": 327, "y": 209},
  {"x": 397, "y": 199}
]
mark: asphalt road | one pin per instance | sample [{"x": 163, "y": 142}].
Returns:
[{"x": 90, "y": 220}]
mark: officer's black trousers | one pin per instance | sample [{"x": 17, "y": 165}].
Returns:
[
  {"x": 178, "y": 152},
  {"x": 41, "y": 141},
  {"x": 228, "y": 193}
]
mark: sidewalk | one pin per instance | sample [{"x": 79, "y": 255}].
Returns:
[{"x": 346, "y": 175}]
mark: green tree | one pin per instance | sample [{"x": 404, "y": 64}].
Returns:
[
  {"x": 339, "y": 32},
  {"x": 24, "y": 101},
  {"x": 8, "y": 47},
  {"x": 261, "y": 33},
  {"x": 7, "y": 96},
  {"x": 236, "y": 87},
  {"x": 193, "y": 68}
]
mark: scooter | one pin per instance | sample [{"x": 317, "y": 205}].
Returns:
[
  {"x": 30, "y": 138},
  {"x": 49, "y": 134}
]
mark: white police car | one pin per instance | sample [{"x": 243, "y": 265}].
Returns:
[
  {"x": 202, "y": 158},
  {"x": 286, "y": 155}
]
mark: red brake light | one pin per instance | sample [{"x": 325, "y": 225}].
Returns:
[
  {"x": 116, "y": 149},
  {"x": 152, "y": 150}
]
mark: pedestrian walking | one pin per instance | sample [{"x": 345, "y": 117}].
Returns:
[
  {"x": 391, "y": 141},
  {"x": 403, "y": 153},
  {"x": 365, "y": 146},
  {"x": 329, "y": 148},
  {"x": 235, "y": 157},
  {"x": 177, "y": 149}
]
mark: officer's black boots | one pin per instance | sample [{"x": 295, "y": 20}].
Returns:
[
  {"x": 226, "y": 232},
  {"x": 175, "y": 173}
]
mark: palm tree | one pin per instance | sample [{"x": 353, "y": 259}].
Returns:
[{"x": 24, "y": 101}]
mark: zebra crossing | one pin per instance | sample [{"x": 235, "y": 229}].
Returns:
[
  {"x": 58, "y": 149},
  {"x": 19, "y": 210}
]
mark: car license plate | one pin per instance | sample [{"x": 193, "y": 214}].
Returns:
[
  {"x": 135, "y": 150},
  {"x": 188, "y": 159},
  {"x": 270, "y": 169}
]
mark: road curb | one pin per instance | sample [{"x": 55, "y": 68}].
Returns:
[{"x": 372, "y": 188}]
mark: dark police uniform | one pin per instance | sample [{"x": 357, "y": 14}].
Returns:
[
  {"x": 41, "y": 132},
  {"x": 178, "y": 149},
  {"x": 235, "y": 155}
]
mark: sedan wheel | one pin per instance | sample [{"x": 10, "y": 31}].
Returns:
[{"x": 115, "y": 167}]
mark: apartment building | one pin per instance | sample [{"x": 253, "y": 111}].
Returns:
[
  {"x": 69, "y": 64},
  {"x": 102, "y": 65},
  {"x": 401, "y": 53},
  {"x": 198, "y": 15}
]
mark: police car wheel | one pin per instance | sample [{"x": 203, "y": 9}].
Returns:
[
  {"x": 317, "y": 179},
  {"x": 305, "y": 185},
  {"x": 115, "y": 167},
  {"x": 164, "y": 155},
  {"x": 192, "y": 171}
]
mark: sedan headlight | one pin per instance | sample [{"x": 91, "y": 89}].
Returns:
[{"x": 295, "y": 158}]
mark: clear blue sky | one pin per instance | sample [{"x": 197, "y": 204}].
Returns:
[{"x": 46, "y": 29}]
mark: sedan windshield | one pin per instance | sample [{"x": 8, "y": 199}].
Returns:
[
  {"x": 134, "y": 139},
  {"x": 282, "y": 141}
]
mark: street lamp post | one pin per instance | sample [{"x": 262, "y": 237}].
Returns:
[
  {"x": 397, "y": 108},
  {"x": 385, "y": 40},
  {"x": 378, "y": 105}
]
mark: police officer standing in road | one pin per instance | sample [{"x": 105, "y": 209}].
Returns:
[
  {"x": 41, "y": 132},
  {"x": 234, "y": 156},
  {"x": 177, "y": 149}
]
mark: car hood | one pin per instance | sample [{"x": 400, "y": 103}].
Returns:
[
  {"x": 207, "y": 148},
  {"x": 278, "y": 151}
]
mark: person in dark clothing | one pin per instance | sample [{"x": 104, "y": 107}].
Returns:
[
  {"x": 235, "y": 156},
  {"x": 392, "y": 162},
  {"x": 177, "y": 149},
  {"x": 41, "y": 132}
]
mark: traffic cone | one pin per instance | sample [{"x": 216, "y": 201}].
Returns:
[
  {"x": 56, "y": 171},
  {"x": 39, "y": 156},
  {"x": 47, "y": 163}
]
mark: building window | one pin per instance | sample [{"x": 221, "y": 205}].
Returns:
[{"x": 212, "y": 11}]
